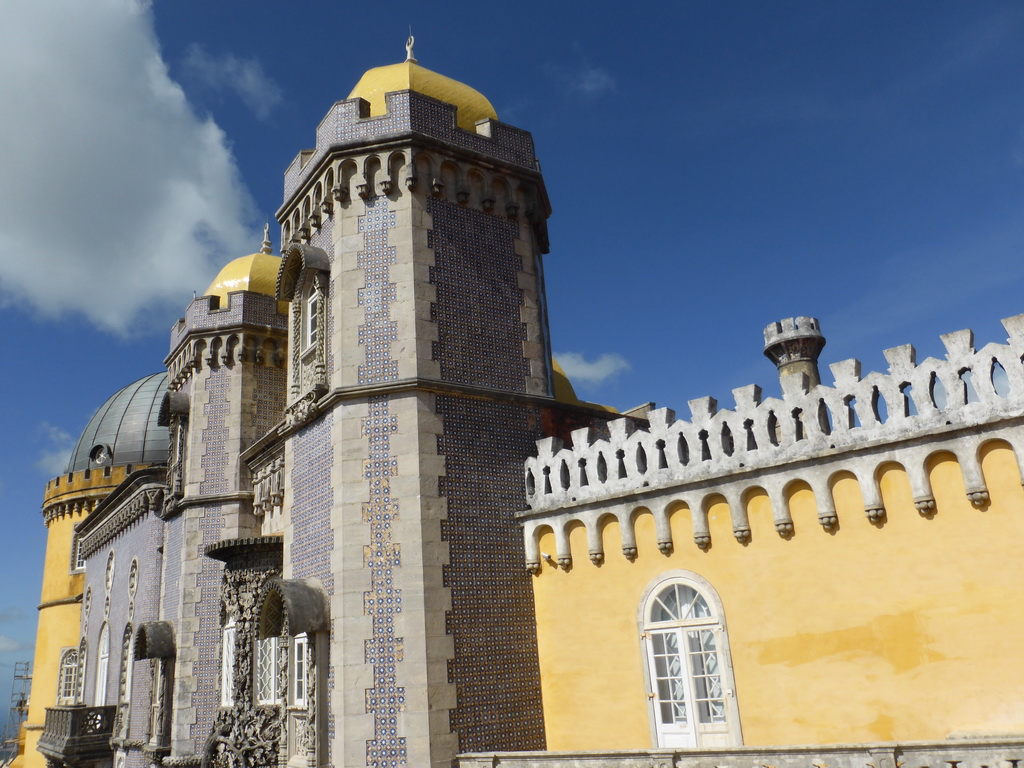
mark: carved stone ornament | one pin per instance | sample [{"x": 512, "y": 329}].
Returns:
[
  {"x": 245, "y": 734},
  {"x": 303, "y": 410}
]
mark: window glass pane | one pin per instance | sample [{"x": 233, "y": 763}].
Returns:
[
  {"x": 700, "y": 609},
  {"x": 299, "y": 671},
  {"x": 707, "y": 682}
]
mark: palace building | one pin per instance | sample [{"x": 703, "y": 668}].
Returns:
[{"x": 361, "y": 518}]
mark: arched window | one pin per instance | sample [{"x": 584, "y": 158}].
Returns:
[
  {"x": 270, "y": 652},
  {"x": 67, "y": 677},
  {"x": 102, "y": 663},
  {"x": 688, "y": 664}
]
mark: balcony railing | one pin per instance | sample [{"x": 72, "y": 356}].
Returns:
[{"x": 77, "y": 735}]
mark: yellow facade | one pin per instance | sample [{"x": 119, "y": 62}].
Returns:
[
  {"x": 904, "y": 630},
  {"x": 67, "y": 501}
]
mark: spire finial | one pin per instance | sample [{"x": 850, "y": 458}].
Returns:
[
  {"x": 408, "y": 46},
  {"x": 267, "y": 247}
]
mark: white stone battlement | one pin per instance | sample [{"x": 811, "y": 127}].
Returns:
[
  {"x": 768, "y": 443},
  {"x": 791, "y": 327}
]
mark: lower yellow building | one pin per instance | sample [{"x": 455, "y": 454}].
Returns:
[
  {"x": 838, "y": 565},
  {"x": 123, "y": 435}
]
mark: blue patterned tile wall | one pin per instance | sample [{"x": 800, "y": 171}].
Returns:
[
  {"x": 271, "y": 385},
  {"x": 206, "y": 641},
  {"x": 495, "y": 668},
  {"x": 378, "y": 330},
  {"x": 312, "y": 500},
  {"x": 476, "y": 273},
  {"x": 174, "y": 541},
  {"x": 215, "y": 459}
]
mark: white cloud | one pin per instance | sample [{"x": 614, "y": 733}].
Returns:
[
  {"x": 9, "y": 645},
  {"x": 116, "y": 199},
  {"x": 11, "y": 613},
  {"x": 228, "y": 72},
  {"x": 591, "y": 372},
  {"x": 593, "y": 81},
  {"x": 53, "y": 459},
  {"x": 582, "y": 78}
]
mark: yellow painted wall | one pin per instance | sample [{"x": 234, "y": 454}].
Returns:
[
  {"x": 906, "y": 630},
  {"x": 59, "y": 621}
]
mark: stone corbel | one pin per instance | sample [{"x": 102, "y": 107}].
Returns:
[
  {"x": 436, "y": 187},
  {"x": 387, "y": 186},
  {"x": 363, "y": 190},
  {"x": 305, "y": 409},
  {"x": 340, "y": 193},
  {"x": 487, "y": 204},
  {"x": 511, "y": 210},
  {"x": 925, "y": 505},
  {"x": 326, "y": 207},
  {"x": 462, "y": 196}
]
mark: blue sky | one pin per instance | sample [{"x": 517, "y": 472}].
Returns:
[{"x": 713, "y": 167}]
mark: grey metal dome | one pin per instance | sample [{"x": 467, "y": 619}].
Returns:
[{"x": 124, "y": 429}]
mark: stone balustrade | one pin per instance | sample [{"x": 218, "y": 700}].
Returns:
[{"x": 77, "y": 734}]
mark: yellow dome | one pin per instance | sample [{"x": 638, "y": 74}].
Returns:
[
  {"x": 256, "y": 272},
  {"x": 409, "y": 75}
]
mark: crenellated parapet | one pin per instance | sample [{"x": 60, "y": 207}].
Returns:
[
  {"x": 856, "y": 426},
  {"x": 359, "y": 174},
  {"x": 249, "y": 329},
  {"x": 348, "y": 124}
]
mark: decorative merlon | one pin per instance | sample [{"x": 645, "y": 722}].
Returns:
[{"x": 856, "y": 425}]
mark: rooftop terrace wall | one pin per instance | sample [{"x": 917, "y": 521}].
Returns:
[{"x": 954, "y": 404}]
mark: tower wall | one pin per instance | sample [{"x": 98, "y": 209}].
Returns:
[
  {"x": 228, "y": 361},
  {"x": 438, "y": 358}
]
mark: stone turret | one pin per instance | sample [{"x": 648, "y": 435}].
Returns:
[{"x": 794, "y": 344}]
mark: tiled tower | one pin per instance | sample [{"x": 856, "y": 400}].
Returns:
[
  {"x": 419, "y": 366},
  {"x": 227, "y": 372}
]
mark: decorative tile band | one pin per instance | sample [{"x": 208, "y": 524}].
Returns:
[
  {"x": 383, "y": 602},
  {"x": 378, "y": 330}
]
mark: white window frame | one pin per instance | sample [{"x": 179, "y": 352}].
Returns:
[
  {"x": 77, "y": 561},
  {"x": 675, "y": 670},
  {"x": 227, "y": 666},
  {"x": 311, "y": 318},
  {"x": 67, "y": 676},
  {"x": 298, "y": 671},
  {"x": 99, "y": 696},
  {"x": 267, "y": 669}
]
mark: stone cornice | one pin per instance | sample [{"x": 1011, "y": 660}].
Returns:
[{"x": 141, "y": 492}]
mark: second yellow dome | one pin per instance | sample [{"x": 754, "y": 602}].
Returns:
[{"x": 256, "y": 272}]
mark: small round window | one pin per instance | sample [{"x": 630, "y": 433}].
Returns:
[{"x": 101, "y": 456}]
